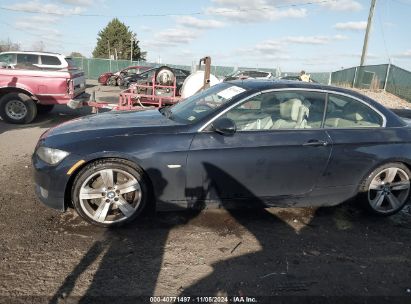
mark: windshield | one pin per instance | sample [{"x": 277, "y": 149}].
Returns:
[{"x": 201, "y": 104}]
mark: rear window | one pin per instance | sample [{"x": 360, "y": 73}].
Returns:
[
  {"x": 50, "y": 60},
  {"x": 27, "y": 59}
]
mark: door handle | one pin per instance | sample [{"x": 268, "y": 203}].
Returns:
[{"x": 316, "y": 143}]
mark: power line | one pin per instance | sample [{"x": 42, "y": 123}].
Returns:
[
  {"x": 383, "y": 35},
  {"x": 220, "y": 12}
]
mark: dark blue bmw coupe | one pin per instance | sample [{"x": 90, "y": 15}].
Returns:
[{"x": 241, "y": 143}]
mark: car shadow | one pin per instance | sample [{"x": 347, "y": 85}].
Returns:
[
  {"x": 334, "y": 251},
  {"x": 59, "y": 114}
]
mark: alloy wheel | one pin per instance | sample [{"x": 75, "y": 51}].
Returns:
[
  {"x": 389, "y": 190},
  {"x": 110, "y": 196}
]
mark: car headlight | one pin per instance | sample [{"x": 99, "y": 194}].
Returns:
[{"x": 50, "y": 155}]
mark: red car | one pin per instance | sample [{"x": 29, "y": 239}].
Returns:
[{"x": 114, "y": 79}]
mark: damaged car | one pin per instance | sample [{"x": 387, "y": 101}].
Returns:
[{"x": 251, "y": 143}]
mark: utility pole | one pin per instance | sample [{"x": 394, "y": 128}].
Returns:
[
  {"x": 367, "y": 32},
  {"x": 131, "y": 53}
]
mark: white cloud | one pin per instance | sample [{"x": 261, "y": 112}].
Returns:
[
  {"x": 40, "y": 30},
  {"x": 270, "y": 46},
  {"x": 43, "y": 19},
  {"x": 79, "y": 2},
  {"x": 199, "y": 23},
  {"x": 342, "y": 5},
  {"x": 172, "y": 37},
  {"x": 405, "y": 54},
  {"x": 46, "y": 8},
  {"x": 314, "y": 39},
  {"x": 253, "y": 11},
  {"x": 351, "y": 26}
]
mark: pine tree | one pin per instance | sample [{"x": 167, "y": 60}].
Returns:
[{"x": 115, "y": 40}]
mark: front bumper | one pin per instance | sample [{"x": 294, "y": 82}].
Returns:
[{"x": 51, "y": 181}]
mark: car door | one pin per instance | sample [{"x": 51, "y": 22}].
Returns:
[
  {"x": 360, "y": 141},
  {"x": 278, "y": 151}
]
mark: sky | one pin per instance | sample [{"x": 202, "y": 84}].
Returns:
[{"x": 314, "y": 35}]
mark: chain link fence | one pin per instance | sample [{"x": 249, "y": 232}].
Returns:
[
  {"x": 388, "y": 77},
  {"x": 94, "y": 67}
]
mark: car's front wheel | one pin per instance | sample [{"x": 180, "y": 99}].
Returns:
[
  {"x": 387, "y": 189},
  {"x": 109, "y": 192}
]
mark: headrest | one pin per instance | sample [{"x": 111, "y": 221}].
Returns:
[
  {"x": 289, "y": 109},
  {"x": 353, "y": 112},
  {"x": 354, "y": 116}
]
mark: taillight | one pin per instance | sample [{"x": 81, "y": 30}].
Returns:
[{"x": 70, "y": 86}]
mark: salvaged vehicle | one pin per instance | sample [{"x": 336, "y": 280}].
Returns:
[
  {"x": 294, "y": 78},
  {"x": 145, "y": 78},
  {"x": 252, "y": 143},
  {"x": 249, "y": 74},
  {"x": 26, "y": 91},
  {"x": 117, "y": 79}
]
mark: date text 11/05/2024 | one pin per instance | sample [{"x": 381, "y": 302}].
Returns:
[{"x": 222, "y": 299}]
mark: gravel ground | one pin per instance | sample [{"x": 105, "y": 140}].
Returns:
[
  {"x": 57, "y": 257},
  {"x": 396, "y": 104}
]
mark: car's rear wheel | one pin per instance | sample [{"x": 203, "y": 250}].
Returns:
[
  {"x": 17, "y": 108},
  {"x": 109, "y": 192},
  {"x": 387, "y": 189}
]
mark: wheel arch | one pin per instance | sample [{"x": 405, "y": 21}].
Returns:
[
  {"x": 406, "y": 162},
  {"x": 6, "y": 90},
  {"x": 132, "y": 162}
]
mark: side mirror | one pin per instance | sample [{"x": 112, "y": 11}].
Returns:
[{"x": 224, "y": 126}]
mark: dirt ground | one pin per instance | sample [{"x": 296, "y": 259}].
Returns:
[{"x": 54, "y": 257}]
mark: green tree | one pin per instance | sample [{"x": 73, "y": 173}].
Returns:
[
  {"x": 115, "y": 40},
  {"x": 76, "y": 54}
]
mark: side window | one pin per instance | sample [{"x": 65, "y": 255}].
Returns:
[
  {"x": 8, "y": 58},
  {"x": 50, "y": 60},
  {"x": 280, "y": 110},
  {"x": 27, "y": 59},
  {"x": 345, "y": 112}
]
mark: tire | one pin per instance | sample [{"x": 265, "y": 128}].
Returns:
[
  {"x": 165, "y": 76},
  {"x": 98, "y": 198},
  {"x": 44, "y": 109},
  {"x": 112, "y": 81},
  {"x": 17, "y": 108},
  {"x": 120, "y": 82},
  {"x": 386, "y": 190}
]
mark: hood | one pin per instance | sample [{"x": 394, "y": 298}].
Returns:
[{"x": 115, "y": 123}]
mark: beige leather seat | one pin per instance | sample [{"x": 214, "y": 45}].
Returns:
[
  {"x": 293, "y": 115},
  {"x": 263, "y": 122},
  {"x": 352, "y": 117}
]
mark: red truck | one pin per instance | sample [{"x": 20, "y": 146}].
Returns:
[{"x": 25, "y": 92}]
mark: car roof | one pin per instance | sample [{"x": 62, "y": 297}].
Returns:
[{"x": 30, "y": 52}]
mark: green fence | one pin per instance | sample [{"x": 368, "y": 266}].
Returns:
[
  {"x": 344, "y": 78},
  {"x": 386, "y": 77},
  {"x": 94, "y": 67},
  {"x": 399, "y": 82}
]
